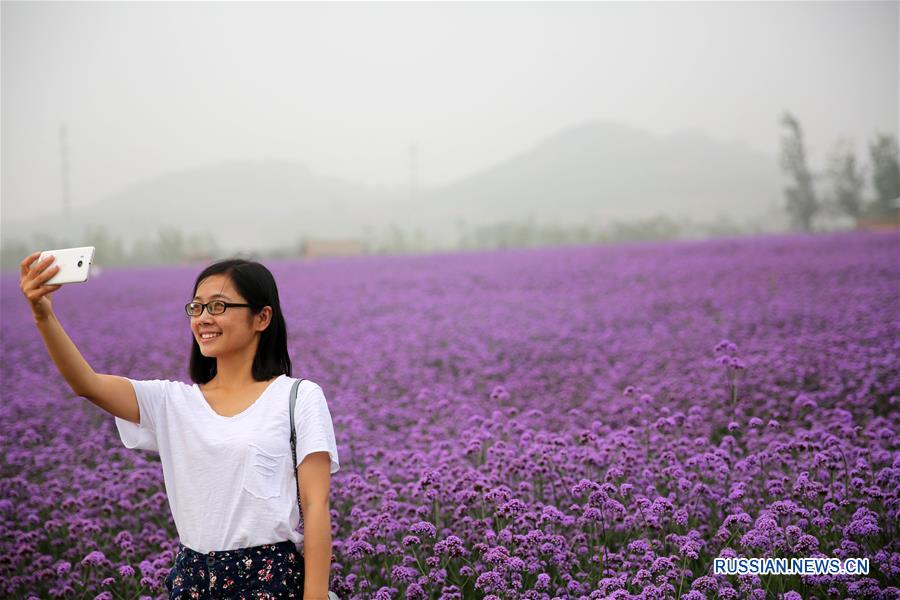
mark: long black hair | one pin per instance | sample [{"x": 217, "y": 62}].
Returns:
[{"x": 255, "y": 283}]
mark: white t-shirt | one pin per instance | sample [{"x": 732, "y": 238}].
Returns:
[{"x": 229, "y": 479}]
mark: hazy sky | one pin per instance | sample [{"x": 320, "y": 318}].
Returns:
[{"x": 344, "y": 88}]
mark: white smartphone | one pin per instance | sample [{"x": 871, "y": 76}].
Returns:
[{"x": 74, "y": 264}]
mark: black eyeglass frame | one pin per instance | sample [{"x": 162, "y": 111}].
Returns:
[{"x": 226, "y": 306}]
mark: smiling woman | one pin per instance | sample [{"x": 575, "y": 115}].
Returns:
[{"x": 224, "y": 442}]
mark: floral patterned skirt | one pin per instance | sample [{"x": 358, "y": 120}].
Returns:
[{"x": 270, "y": 572}]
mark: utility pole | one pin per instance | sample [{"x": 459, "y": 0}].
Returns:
[
  {"x": 64, "y": 165},
  {"x": 413, "y": 170}
]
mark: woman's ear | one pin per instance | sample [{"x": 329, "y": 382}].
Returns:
[{"x": 264, "y": 318}]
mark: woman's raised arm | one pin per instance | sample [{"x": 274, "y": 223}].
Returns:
[{"x": 113, "y": 394}]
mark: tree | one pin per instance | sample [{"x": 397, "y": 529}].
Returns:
[
  {"x": 109, "y": 249},
  {"x": 14, "y": 253},
  {"x": 170, "y": 245},
  {"x": 847, "y": 180},
  {"x": 885, "y": 170},
  {"x": 802, "y": 204},
  {"x": 201, "y": 246}
]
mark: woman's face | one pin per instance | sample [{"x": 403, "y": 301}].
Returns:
[{"x": 236, "y": 327}]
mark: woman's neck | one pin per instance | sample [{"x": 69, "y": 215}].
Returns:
[{"x": 234, "y": 372}]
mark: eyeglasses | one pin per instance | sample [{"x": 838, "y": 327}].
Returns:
[{"x": 214, "y": 307}]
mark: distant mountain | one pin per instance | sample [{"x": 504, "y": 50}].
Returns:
[
  {"x": 590, "y": 173},
  {"x": 600, "y": 171},
  {"x": 242, "y": 204}
]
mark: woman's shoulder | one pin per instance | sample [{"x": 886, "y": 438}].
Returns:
[
  {"x": 306, "y": 385},
  {"x": 160, "y": 391},
  {"x": 161, "y": 382}
]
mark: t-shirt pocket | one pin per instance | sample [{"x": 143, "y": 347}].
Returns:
[{"x": 264, "y": 470}]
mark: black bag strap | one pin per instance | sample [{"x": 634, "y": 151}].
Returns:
[{"x": 294, "y": 445}]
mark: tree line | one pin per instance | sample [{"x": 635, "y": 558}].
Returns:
[
  {"x": 170, "y": 246},
  {"x": 837, "y": 189}
]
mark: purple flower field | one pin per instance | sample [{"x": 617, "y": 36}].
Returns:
[{"x": 582, "y": 422}]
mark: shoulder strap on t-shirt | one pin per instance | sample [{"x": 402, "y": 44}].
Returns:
[{"x": 294, "y": 443}]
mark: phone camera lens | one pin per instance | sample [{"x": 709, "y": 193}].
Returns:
[{"x": 80, "y": 262}]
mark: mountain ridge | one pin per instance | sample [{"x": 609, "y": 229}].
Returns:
[{"x": 593, "y": 171}]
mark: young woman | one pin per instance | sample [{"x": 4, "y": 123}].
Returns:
[{"x": 224, "y": 441}]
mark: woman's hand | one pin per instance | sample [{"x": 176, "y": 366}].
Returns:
[{"x": 32, "y": 280}]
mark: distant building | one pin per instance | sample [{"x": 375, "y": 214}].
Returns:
[
  {"x": 197, "y": 258},
  {"x": 872, "y": 220},
  {"x": 321, "y": 248}
]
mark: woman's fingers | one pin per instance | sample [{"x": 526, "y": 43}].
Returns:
[
  {"x": 30, "y": 271},
  {"x": 48, "y": 273},
  {"x": 39, "y": 273},
  {"x": 36, "y": 278},
  {"x": 35, "y": 294},
  {"x": 27, "y": 263},
  {"x": 44, "y": 275}
]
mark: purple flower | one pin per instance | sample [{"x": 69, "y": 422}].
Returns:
[
  {"x": 591, "y": 514},
  {"x": 498, "y": 555},
  {"x": 357, "y": 549},
  {"x": 725, "y": 346},
  {"x": 512, "y": 508},
  {"x": 424, "y": 528},
  {"x": 451, "y": 545},
  {"x": 94, "y": 558},
  {"x": 126, "y": 571},
  {"x": 705, "y": 583},
  {"x": 863, "y": 523},
  {"x": 740, "y": 518},
  {"x": 499, "y": 393},
  {"x": 582, "y": 486},
  {"x": 404, "y": 574},
  {"x": 385, "y": 593},
  {"x": 661, "y": 506},
  {"x": 489, "y": 581}
]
